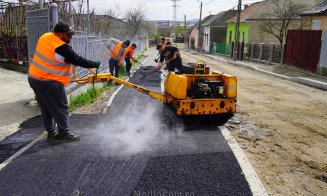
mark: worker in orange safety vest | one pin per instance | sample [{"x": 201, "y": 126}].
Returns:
[
  {"x": 49, "y": 72},
  {"x": 116, "y": 54},
  {"x": 128, "y": 56},
  {"x": 163, "y": 42}
]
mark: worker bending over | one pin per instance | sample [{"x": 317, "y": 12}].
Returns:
[
  {"x": 128, "y": 56},
  {"x": 116, "y": 53},
  {"x": 171, "y": 55},
  {"x": 49, "y": 72}
]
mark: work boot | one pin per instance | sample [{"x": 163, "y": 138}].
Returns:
[
  {"x": 52, "y": 137},
  {"x": 67, "y": 137}
]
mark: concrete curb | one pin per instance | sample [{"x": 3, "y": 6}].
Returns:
[
  {"x": 301, "y": 80},
  {"x": 256, "y": 186}
]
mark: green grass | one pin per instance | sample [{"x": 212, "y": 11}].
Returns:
[
  {"x": 86, "y": 98},
  {"x": 91, "y": 95}
]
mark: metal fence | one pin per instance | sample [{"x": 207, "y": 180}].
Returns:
[
  {"x": 91, "y": 47},
  {"x": 94, "y": 48},
  {"x": 13, "y": 48},
  {"x": 265, "y": 53},
  {"x": 37, "y": 23}
]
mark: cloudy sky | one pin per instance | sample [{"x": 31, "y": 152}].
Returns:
[{"x": 162, "y": 9}]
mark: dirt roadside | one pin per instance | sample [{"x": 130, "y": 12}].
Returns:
[{"x": 282, "y": 127}]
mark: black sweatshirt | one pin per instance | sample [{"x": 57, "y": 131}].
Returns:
[
  {"x": 71, "y": 57},
  {"x": 168, "y": 53}
]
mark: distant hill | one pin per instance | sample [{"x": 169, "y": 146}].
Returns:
[{"x": 169, "y": 22}]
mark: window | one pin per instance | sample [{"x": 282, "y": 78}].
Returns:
[{"x": 315, "y": 24}]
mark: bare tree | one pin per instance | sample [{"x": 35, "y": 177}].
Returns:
[
  {"x": 283, "y": 15},
  {"x": 134, "y": 18}
]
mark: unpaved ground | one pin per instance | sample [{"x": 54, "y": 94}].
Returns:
[
  {"x": 282, "y": 126},
  {"x": 16, "y": 101},
  {"x": 98, "y": 106}
]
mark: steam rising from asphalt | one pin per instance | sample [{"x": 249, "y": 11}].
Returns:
[{"x": 139, "y": 128}]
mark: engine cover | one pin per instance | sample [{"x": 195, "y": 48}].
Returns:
[{"x": 204, "y": 88}]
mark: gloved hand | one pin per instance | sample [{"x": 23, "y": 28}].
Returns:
[{"x": 97, "y": 64}]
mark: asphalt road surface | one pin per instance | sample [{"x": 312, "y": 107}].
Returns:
[{"x": 133, "y": 149}]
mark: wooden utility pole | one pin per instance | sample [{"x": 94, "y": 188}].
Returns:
[
  {"x": 199, "y": 35},
  {"x": 237, "y": 34}
]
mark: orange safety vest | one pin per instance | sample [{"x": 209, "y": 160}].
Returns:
[
  {"x": 117, "y": 52},
  {"x": 45, "y": 65},
  {"x": 129, "y": 50}
]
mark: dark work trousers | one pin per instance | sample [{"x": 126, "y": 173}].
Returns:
[
  {"x": 114, "y": 66},
  {"x": 52, "y": 99},
  {"x": 175, "y": 64},
  {"x": 128, "y": 64}
]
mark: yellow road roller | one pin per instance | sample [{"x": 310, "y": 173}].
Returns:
[{"x": 196, "y": 93}]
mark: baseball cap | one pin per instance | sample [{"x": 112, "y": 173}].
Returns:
[
  {"x": 127, "y": 42},
  {"x": 63, "y": 28},
  {"x": 159, "y": 46}
]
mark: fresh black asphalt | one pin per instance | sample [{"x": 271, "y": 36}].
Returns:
[{"x": 153, "y": 159}]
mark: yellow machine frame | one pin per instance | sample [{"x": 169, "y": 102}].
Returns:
[{"x": 176, "y": 88}]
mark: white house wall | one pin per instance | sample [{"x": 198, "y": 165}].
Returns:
[
  {"x": 194, "y": 35},
  {"x": 206, "y": 39}
]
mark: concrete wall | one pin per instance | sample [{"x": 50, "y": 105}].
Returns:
[
  {"x": 322, "y": 67},
  {"x": 218, "y": 34},
  {"x": 257, "y": 36},
  {"x": 213, "y": 35},
  {"x": 307, "y": 22}
]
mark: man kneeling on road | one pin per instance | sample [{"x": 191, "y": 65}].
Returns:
[
  {"x": 172, "y": 57},
  {"x": 49, "y": 72}
]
